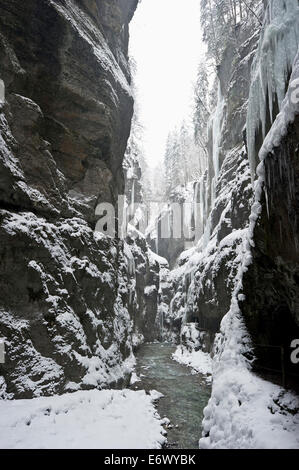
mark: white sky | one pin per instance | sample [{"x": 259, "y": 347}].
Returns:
[{"x": 166, "y": 44}]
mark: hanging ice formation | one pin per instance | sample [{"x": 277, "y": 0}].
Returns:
[
  {"x": 271, "y": 71},
  {"x": 217, "y": 121},
  {"x": 2, "y": 91}
]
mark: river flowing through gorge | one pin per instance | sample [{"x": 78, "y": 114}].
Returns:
[
  {"x": 149, "y": 224},
  {"x": 185, "y": 394}
]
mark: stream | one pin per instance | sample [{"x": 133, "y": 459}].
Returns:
[{"x": 185, "y": 394}]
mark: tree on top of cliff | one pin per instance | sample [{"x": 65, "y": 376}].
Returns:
[
  {"x": 201, "y": 111},
  {"x": 221, "y": 21}
]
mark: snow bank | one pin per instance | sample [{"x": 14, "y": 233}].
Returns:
[
  {"x": 154, "y": 257},
  {"x": 199, "y": 361},
  {"x": 86, "y": 420},
  {"x": 190, "y": 351},
  {"x": 246, "y": 412},
  {"x": 134, "y": 378}
]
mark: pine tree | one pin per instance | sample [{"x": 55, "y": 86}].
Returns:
[{"x": 220, "y": 20}]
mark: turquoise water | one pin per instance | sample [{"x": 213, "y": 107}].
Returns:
[{"x": 185, "y": 394}]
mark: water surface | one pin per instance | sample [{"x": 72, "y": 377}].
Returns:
[{"x": 185, "y": 394}]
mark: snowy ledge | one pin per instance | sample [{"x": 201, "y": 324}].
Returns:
[
  {"x": 107, "y": 419},
  {"x": 200, "y": 362}
]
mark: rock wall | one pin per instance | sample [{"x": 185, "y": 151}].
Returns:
[
  {"x": 144, "y": 301},
  {"x": 65, "y": 305},
  {"x": 271, "y": 283},
  {"x": 69, "y": 59},
  {"x": 253, "y": 85},
  {"x": 204, "y": 280}
]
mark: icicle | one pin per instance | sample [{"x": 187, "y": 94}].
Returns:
[
  {"x": 267, "y": 201},
  {"x": 207, "y": 234},
  {"x": 206, "y": 202},
  {"x": 2, "y": 91},
  {"x": 213, "y": 193},
  {"x": 171, "y": 307},
  {"x": 133, "y": 195},
  {"x": 217, "y": 128},
  {"x": 202, "y": 204},
  {"x": 188, "y": 207},
  {"x": 276, "y": 52},
  {"x": 129, "y": 259},
  {"x": 195, "y": 203}
]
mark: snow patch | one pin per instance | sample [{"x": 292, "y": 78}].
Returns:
[
  {"x": 199, "y": 361},
  {"x": 95, "y": 419}
]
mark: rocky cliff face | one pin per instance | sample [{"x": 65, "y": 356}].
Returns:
[
  {"x": 205, "y": 278},
  {"x": 65, "y": 306},
  {"x": 69, "y": 60},
  {"x": 247, "y": 261},
  {"x": 271, "y": 283}
]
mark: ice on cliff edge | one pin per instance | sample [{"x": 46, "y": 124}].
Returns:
[
  {"x": 245, "y": 411},
  {"x": 271, "y": 71}
]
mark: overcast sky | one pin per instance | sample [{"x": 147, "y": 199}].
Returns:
[{"x": 166, "y": 44}]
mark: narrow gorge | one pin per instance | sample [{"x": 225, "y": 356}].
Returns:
[{"x": 178, "y": 329}]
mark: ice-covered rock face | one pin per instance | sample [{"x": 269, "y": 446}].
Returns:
[
  {"x": 272, "y": 67},
  {"x": 2, "y": 91},
  {"x": 263, "y": 316},
  {"x": 271, "y": 283}
]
